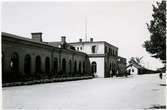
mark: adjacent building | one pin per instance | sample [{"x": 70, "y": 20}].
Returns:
[
  {"x": 122, "y": 68},
  {"x": 29, "y": 59},
  {"x": 135, "y": 68}
]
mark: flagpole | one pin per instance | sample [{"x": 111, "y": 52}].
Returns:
[{"x": 85, "y": 28}]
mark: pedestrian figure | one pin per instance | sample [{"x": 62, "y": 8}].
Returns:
[
  {"x": 160, "y": 75},
  {"x": 126, "y": 73},
  {"x": 111, "y": 73}
]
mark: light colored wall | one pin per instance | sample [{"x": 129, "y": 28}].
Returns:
[
  {"x": 87, "y": 47},
  {"x": 135, "y": 70},
  {"x": 100, "y": 66}
]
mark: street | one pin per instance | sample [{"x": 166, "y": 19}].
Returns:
[{"x": 134, "y": 92}]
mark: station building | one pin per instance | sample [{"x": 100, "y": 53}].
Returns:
[
  {"x": 28, "y": 59},
  {"x": 103, "y": 57}
]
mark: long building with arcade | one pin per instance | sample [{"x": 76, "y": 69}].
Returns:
[
  {"x": 28, "y": 59},
  {"x": 25, "y": 59}
]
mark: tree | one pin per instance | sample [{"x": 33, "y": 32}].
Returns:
[
  {"x": 157, "y": 28},
  {"x": 137, "y": 60}
]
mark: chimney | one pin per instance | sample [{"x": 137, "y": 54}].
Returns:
[
  {"x": 91, "y": 39},
  {"x": 63, "y": 39},
  {"x": 80, "y": 40},
  {"x": 37, "y": 36}
]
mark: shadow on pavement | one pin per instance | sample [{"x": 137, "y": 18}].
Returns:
[
  {"x": 162, "y": 84},
  {"x": 158, "y": 107}
]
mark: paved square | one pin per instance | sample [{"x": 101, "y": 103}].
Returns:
[{"x": 135, "y": 92}]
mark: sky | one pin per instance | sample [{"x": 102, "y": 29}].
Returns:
[{"x": 120, "y": 23}]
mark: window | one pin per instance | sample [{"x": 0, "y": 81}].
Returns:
[
  {"x": 94, "y": 49},
  {"x": 77, "y": 48},
  {"x": 110, "y": 51},
  {"x": 105, "y": 49},
  {"x": 80, "y": 48},
  {"x": 116, "y": 53}
]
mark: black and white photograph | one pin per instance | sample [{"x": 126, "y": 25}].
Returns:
[{"x": 83, "y": 55}]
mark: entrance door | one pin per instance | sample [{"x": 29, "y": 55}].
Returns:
[{"x": 94, "y": 68}]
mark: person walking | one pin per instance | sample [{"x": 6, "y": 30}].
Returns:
[{"x": 160, "y": 75}]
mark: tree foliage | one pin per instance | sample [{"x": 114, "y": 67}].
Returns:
[
  {"x": 157, "y": 28},
  {"x": 137, "y": 60}
]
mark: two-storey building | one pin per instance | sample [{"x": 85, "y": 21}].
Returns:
[{"x": 103, "y": 56}]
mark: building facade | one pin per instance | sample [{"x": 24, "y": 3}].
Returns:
[
  {"x": 27, "y": 59},
  {"x": 103, "y": 57},
  {"x": 122, "y": 68}
]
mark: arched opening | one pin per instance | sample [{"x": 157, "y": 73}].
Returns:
[
  {"x": 64, "y": 66},
  {"x": 110, "y": 66},
  {"x": 94, "y": 68},
  {"x": 55, "y": 65},
  {"x": 79, "y": 67},
  {"x": 27, "y": 64},
  {"x": 38, "y": 64},
  {"x": 83, "y": 67},
  {"x": 47, "y": 65},
  {"x": 3, "y": 57},
  {"x": 75, "y": 66},
  {"x": 110, "y": 69},
  {"x": 113, "y": 69},
  {"x": 70, "y": 66},
  {"x": 14, "y": 63},
  {"x": 105, "y": 67}
]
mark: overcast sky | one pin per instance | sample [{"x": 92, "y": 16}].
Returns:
[{"x": 122, "y": 24}]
